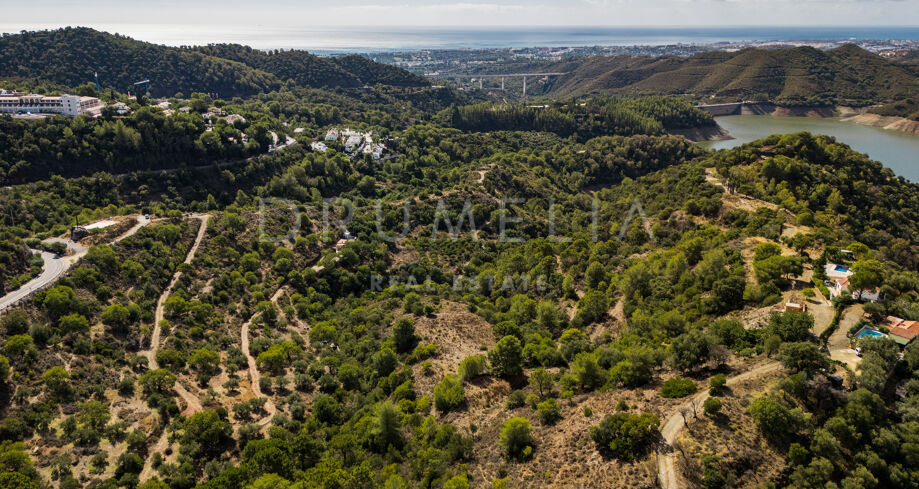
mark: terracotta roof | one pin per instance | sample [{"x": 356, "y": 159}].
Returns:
[{"x": 905, "y": 329}]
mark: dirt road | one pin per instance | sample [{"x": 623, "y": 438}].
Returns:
[
  {"x": 255, "y": 375},
  {"x": 159, "y": 314},
  {"x": 192, "y": 403},
  {"x": 667, "y": 473}
]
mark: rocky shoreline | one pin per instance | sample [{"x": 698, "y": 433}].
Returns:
[
  {"x": 704, "y": 133},
  {"x": 857, "y": 115}
]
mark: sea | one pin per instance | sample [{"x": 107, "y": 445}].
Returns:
[{"x": 332, "y": 40}]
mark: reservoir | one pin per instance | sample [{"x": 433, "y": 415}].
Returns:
[{"x": 897, "y": 150}]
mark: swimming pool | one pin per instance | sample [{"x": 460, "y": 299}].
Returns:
[
  {"x": 842, "y": 269},
  {"x": 870, "y": 332}
]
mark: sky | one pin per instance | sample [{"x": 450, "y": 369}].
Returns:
[
  {"x": 193, "y": 21},
  {"x": 307, "y": 13}
]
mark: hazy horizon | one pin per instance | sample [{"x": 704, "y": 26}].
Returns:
[{"x": 409, "y": 37}]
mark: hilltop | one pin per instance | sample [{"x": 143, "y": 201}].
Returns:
[
  {"x": 71, "y": 56},
  {"x": 847, "y": 75}
]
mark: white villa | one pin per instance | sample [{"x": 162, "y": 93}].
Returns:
[{"x": 839, "y": 278}]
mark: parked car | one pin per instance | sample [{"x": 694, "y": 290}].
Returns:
[{"x": 858, "y": 351}]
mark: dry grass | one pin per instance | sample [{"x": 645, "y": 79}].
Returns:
[
  {"x": 733, "y": 437},
  {"x": 458, "y": 334}
]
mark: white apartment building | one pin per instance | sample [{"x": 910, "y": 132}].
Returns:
[{"x": 39, "y": 104}]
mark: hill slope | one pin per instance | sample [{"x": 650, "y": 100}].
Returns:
[
  {"x": 71, "y": 56},
  {"x": 799, "y": 76}
]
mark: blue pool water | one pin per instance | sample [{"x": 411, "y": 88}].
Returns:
[
  {"x": 840, "y": 268},
  {"x": 870, "y": 332}
]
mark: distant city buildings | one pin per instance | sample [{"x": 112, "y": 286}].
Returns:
[{"x": 72, "y": 105}]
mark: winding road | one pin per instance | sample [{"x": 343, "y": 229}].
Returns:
[
  {"x": 55, "y": 266},
  {"x": 666, "y": 467}
]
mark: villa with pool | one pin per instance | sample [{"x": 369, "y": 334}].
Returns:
[{"x": 838, "y": 276}]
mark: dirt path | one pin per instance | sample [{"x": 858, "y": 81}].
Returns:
[
  {"x": 254, "y": 374},
  {"x": 667, "y": 474},
  {"x": 192, "y": 403},
  {"x": 158, "y": 315}
]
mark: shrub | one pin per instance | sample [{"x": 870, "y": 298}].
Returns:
[
  {"x": 471, "y": 367},
  {"x": 516, "y": 399},
  {"x": 712, "y": 405},
  {"x": 449, "y": 394},
  {"x": 548, "y": 411},
  {"x": 677, "y": 387},
  {"x": 716, "y": 384},
  {"x": 626, "y": 436},
  {"x": 516, "y": 440}
]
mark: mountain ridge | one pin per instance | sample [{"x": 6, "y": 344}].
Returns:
[{"x": 73, "y": 55}]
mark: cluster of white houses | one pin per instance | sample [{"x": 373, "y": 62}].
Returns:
[
  {"x": 354, "y": 142},
  {"x": 72, "y": 105}
]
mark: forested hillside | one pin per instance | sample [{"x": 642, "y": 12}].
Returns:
[
  {"x": 798, "y": 76},
  {"x": 586, "y": 118},
  {"x": 71, "y": 56},
  {"x": 15, "y": 262},
  {"x": 508, "y": 297}
]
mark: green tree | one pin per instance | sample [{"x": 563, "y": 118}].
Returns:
[
  {"x": 471, "y": 367},
  {"x": 572, "y": 342},
  {"x": 712, "y": 406},
  {"x": 775, "y": 420},
  {"x": 543, "y": 381},
  {"x": 549, "y": 411},
  {"x": 516, "y": 440},
  {"x": 157, "y": 381},
  {"x": 803, "y": 357},
  {"x": 117, "y": 317},
  {"x": 690, "y": 350},
  {"x": 791, "y": 325},
  {"x": 387, "y": 427},
  {"x": 404, "y": 334},
  {"x": 677, "y": 387},
  {"x": 204, "y": 360},
  {"x": 207, "y": 429},
  {"x": 506, "y": 357},
  {"x": 57, "y": 380},
  {"x": 866, "y": 275},
  {"x": 592, "y": 307},
  {"x": 587, "y": 371},
  {"x": 626, "y": 436}
]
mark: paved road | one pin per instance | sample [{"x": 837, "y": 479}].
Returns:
[
  {"x": 54, "y": 266},
  {"x": 666, "y": 467}
]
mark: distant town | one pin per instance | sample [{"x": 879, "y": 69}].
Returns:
[{"x": 447, "y": 62}]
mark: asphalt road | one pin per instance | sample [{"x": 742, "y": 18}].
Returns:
[{"x": 53, "y": 268}]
